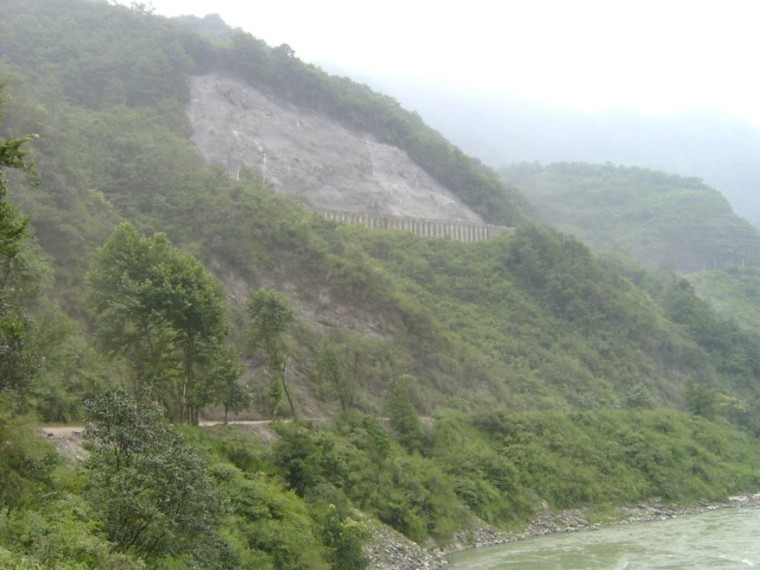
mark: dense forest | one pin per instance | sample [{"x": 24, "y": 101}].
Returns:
[
  {"x": 664, "y": 222},
  {"x": 648, "y": 216},
  {"x": 422, "y": 384}
]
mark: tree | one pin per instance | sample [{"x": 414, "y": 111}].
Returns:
[
  {"x": 162, "y": 311},
  {"x": 153, "y": 494},
  {"x": 12, "y": 226},
  {"x": 16, "y": 363},
  {"x": 700, "y": 400},
  {"x": 228, "y": 390},
  {"x": 271, "y": 315},
  {"x": 403, "y": 416},
  {"x": 330, "y": 370},
  {"x": 345, "y": 538}
]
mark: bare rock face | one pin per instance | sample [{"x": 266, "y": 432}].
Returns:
[{"x": 310, "y": 157}]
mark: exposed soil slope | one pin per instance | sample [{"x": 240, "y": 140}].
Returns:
[{"x": 311, "y": 157}]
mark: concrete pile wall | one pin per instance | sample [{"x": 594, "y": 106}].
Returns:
[{"x": 444, "y": 229}]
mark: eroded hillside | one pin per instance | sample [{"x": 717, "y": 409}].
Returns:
[{"x": 310, "y": 157}]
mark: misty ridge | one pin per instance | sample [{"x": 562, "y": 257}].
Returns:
[{"x": 503, "y": 130}]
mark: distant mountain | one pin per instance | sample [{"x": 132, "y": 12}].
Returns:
[
  {"x": 659, "y": 220},
  {"x": 501, "y": 130}
]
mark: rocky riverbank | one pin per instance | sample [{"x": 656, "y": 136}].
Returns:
[{"x": 389, "y": 550}]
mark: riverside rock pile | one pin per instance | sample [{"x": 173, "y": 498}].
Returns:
[
  {"x": 656, "y": 510},
  {"x": 392, "y": 551}
]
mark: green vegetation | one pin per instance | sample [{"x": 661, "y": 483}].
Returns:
[
  {"x": 16, "y": 366},
  {"x": 152, "y": 494},
  {"x": 529, "y": 320},
  {"x": 162, "y": 311},
  {"x": 733, "y": 293},
  {"x": 219, "y": 498},
  {"x": 667, "y": 222},
  {"x": 656, "y": 219},
  {"x": 147, "y": 288},
  {"x": 270, "y": 315}
]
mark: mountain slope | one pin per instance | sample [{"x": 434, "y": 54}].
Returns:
[
  {"x": 529, "y": 320},
  {"x": 310, "y": 157},
  {"x": 560, "y": 364},
  {"x": 733, "y": 292},
  {"x": 656, "y": 219}
]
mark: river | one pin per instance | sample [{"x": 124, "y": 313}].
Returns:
[{"x": 719, "y": 539}]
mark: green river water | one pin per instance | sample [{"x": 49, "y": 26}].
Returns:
[{"x": 720, "y": 539}]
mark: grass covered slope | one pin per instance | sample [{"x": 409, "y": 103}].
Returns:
[
  {"x": 550, "y": 326},
  {"x": 529, "y": 320},
  {"x": 593, "y": 458},
  {"x": 733, "y": 293},
  {"x": 656, "y": 219}
]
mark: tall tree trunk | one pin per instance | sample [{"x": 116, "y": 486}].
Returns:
[{"x": 285, "y": 389}]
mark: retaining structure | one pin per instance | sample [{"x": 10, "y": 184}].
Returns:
[{"x": 443, "y": 229}]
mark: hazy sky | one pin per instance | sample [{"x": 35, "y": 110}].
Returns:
[{"x": 651, "y": 56}]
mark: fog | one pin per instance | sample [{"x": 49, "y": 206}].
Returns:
[{"x": 650, "y": 56}]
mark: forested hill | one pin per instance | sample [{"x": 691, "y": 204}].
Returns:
[
  {"x": 656, "y": 219},
  {"x": 71, "y": 43},
  {"x": 144, "y": 288},
  {"x": 529, "y": 320}
]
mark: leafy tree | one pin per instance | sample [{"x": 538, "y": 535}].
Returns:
[
  {"x": 12, "y": 226},
  {"x": 228, "y": 390},
  {"x": 638, "y": 396},
  {"x": 330, "y": 370},
  {"x": 271, "y": 315},
  {"x": 345, "y": 538},
  {"x": 700, "y": 400},
  {"x": 165, "y": 313},
  {"x": 153, "y": 494},
  {"x": 403, "y": 416},
  {"x": 26, "y": 463},
  {"x": 273, "y": 526},
  {"x": 16, "y": 363}
]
